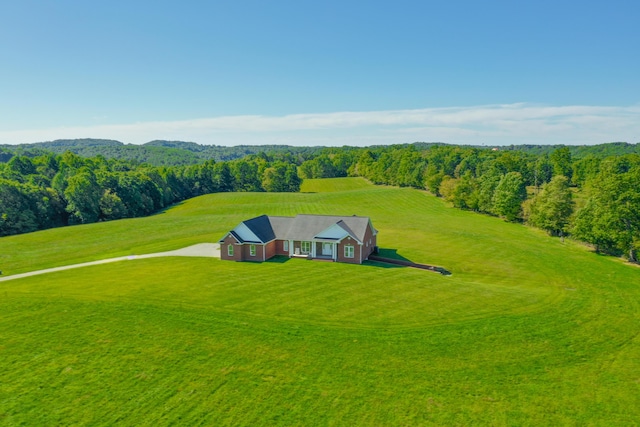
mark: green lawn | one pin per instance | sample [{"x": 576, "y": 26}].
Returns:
[{"x": 527, "y": 331}]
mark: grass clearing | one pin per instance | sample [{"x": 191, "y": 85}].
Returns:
[{"x": 527, "y": 330}]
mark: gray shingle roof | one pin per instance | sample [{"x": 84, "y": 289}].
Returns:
[
  {"x": 261, "y": 227},
  {"x": 304, "y": 227}
]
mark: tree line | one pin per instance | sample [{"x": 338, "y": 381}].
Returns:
[
  {"x": 52, "y": 190},
  {"x": 584, "y": 192},
  {"x": 595, "y": 199}
]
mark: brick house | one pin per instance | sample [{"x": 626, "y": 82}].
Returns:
[{"x": 338, "y": 238}]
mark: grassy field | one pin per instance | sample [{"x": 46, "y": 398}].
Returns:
[{"x": 527, "y": 331}]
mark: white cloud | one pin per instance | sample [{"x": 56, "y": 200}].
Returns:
[{"x": 489, "y": 124}]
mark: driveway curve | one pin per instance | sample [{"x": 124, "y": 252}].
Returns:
[{"x": 211, "y": 250}]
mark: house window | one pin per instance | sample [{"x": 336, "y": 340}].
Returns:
[
  {"x": 305, "y": 247},
  {"x": 348, "y": 251},
  {"x": 252, "y": 250},
  {"x": 285, "y": 246},
  {"x": 230, "y": 250}
]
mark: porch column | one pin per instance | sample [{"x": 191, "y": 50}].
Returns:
[
  {"x": 313, "y": 248},
  {"x": 290, "y": 247},
  {"x": 334, "y": 252}
]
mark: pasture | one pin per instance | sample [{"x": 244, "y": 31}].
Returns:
[{"x": 527, "y": 331}]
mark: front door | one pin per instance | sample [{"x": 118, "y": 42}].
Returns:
[{"x": 327, "y": 249}]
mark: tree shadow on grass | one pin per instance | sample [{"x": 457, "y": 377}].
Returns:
[{"x": 167, "y": 208}]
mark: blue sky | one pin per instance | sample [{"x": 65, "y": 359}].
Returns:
[{"x": 321, "y": 73}]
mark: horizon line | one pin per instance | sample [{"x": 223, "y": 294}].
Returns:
[{"x": 492, "y": 124}]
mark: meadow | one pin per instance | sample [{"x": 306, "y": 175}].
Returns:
[{"x": 528, "y": 330}]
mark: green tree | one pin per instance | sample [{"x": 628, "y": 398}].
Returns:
[
  {"x": 281, "y": 177},
  {"x": 246, "y": 175},
  {"x": 83, "y": 196},
  {"x": 273, "y": 179},
  {"x": 611, "y": 218},
  {"x": 447, "y": 188},
  {"x": 16, "y": 214},
  {"x": 585, "y": 169},
  {"x": 20, "y": 167},
  {"x": 466, "y": 193},
  {"x": 509, "y": 195},
  {"x": 111, "y": 206},
  {"x": 363, "y": 166},
  {"x": 222, "y": 178},
  {"x": 552, "y": 207},
  {"x": 561, "y": 161},
  {"x": 542, "y": 170},
  {"x": 487, "y": 184},
  {"x": 292, "y": 179}
]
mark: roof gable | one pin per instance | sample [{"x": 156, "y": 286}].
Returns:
[
  {"x": 259, "y": 227},
  {"x": 232, "y": 234},
  {"x": 245, "y": 233},
  {"x": 334, "y": 232}
]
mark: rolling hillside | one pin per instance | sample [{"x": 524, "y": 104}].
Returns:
[{"x": 528, "y": 330}]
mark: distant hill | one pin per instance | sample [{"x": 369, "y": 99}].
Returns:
[
  {"x": 219, "y": 152},
  {"x": 88, "y": 147},
  {"x": 175, "y": 153},
  {"x": 580, "y": 151},
  {"x": 83, "y": 142},
  {"x": 191, "y": 146},
  {"x": 156, "y": 153}
]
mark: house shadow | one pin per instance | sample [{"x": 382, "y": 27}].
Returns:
[
  {"x": 380, "y": 264},
  {"x": 392, "y": 254},
  {"x": 383, "y": 258},
  {"x": 389, "y": 258},
  {"x": 278, "y": 259}
]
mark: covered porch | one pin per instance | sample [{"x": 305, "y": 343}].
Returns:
[{"x": 326, "y": 249}]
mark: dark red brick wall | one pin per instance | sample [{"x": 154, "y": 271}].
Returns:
[{"x": 237, "y": 249}]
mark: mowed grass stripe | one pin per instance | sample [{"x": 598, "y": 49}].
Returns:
[{"x": 298, "y": 289}]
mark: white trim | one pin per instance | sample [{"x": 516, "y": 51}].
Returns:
[
  {"x": 373, "y": 230},
  {"x": 227, "y": 235},
  {"x": 353, "y": 251},
  {"x": 349, "y": 236},
  {"x": 332, "y": 232}
]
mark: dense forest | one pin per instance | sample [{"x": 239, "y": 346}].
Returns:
[
  {"x": 155, "y": 153},
  {"x": 52, "y": 190},
  {"x": 590, "y": 193},
  {"x": 177, "y": 153}
]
